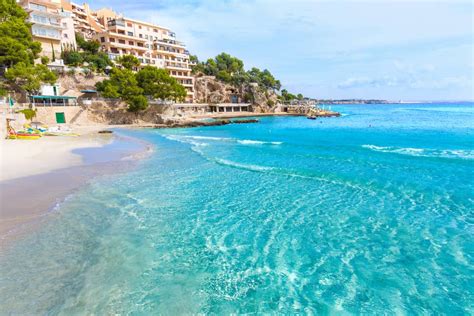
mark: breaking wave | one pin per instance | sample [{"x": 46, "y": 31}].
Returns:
[
  {"x": 192, "y": 140},
  {"x": 424, "y": 152},
  {"x": 257, "y": 142}
]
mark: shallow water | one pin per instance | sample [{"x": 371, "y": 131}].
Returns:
[{"x": 371, "y": 212}]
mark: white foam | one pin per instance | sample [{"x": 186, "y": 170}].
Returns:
[
  {"x": 424, "y": 152},
  {"x": 257, "y": 142},
  {"x": 190, "y": 139},
  {"x": 243, "y": 166}
]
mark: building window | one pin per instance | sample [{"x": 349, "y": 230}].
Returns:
[
  {"x": 112, "y": 40},
  {"x": 155, "y": 30},
  {"x": 146, "y": 36},
  {"x": 140, "y": 27},
  {"x": 129, "y": 24},
  {"x": 130, "y": 33},
  {"x": 102, "y": 39},
  {"x": 140, "y": 35},
  {"x": 121, "y": 41},
  {"x": 65, "y": 35},
  {"x": 64, "y": 24}
]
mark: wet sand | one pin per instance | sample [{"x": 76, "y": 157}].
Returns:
[{"x": 26, "y": 201}]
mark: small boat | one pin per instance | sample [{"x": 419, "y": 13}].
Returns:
[
  {"x": 311, "y": 117},
  {"x": 23, "y": 136}
]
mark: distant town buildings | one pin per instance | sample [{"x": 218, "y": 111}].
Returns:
[{"x": 55, "y": 22}]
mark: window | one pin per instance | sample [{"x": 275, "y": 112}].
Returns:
[
  {"x": 140, "y": 27},
  {"x": 64, "y": 24},
  {"x": 146, "y": 36},
  {"x": 121, "y": 41},
  {"x": 140, "y": 35},
  {"x": 112, "y": 40},
  {"x": 65, "y": 35},
  {"x": 129, "y": 24},
  {"x": 130, "y": 33},
  {"x": 131, "y": 43},
  {"x": 155, "y": 30},
  {"x": 102, "y": 39}
]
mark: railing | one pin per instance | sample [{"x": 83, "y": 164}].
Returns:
[{"x": 116, "y": 23}]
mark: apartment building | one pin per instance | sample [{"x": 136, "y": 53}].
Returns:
[
  {"x": 152, "y": 44},
  {"x": 51, "y": 25},
  {"x": 85, "y": 20}
]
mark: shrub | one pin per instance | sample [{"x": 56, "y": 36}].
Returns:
[
  {"x": 28, "y": 113},
  {"x": 137, "y": 103},
  {"x": 72, "y": 58},
  {"x": 44, "y": 60}
]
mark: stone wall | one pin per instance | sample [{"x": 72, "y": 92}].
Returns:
[{"x": 74, "y": 115}]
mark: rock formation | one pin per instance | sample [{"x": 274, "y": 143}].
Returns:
[{"x": 210, "y": 90}]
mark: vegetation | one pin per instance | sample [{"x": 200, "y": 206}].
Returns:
[
  {"x": 30, "y": 77},
  {"x": 18, "y": 51},
  {"x": 44, "y": 60},
  {"x": 134, "y": 87},
  {"x": 286, "y": 96},
  {"x": 16, "y": 43},
  {"x": 28, "y": 113},
  {"x": 89, "y": 55},
  {"x": 128, "y": 62},
  {"x": 158, "y": 84},
  {"x": 231, "y": 70}
]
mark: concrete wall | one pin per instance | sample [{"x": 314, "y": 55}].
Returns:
[{"x": 74, "y": 115}]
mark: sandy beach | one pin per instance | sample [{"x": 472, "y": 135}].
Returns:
[
  {"x": 21, "y": 158},
  {"x": 38, "y": 174}
]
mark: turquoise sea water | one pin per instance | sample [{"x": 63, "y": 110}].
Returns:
[{"x": 368, "y": 213}]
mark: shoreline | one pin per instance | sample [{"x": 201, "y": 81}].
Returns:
[{"x": 27, "y": 200}]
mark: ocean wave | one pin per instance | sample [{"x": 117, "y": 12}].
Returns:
[
  {"x": 257, "y": 142},
  {"x": 191, "y": 139},
  {"x": 424, "y": 152},
  {"x": 250, "y": 167}
]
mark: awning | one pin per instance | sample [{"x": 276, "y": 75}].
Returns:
[{"x": 55, "y": 97}]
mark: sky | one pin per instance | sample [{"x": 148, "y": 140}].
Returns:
[{"x": 374, "y": 49}]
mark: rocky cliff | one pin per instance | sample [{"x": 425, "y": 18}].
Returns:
[{"x": 210, "y": 90}]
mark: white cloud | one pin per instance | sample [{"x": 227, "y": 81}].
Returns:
[{"x": 322, "y": 45}]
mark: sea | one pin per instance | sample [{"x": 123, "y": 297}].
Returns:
[{"x": 368, "y": 213}]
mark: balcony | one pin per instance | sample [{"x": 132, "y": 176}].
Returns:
[
  {"x": 171, "y": 43},
  {"x": 115, "y": 34},
  {"x": 127, "y": 46},
  {"x": 46, "y": 35},
  {"x": 116, "y": 22},
  {"x": 46, "y": 23},
  {"x": 177, "y": 66}
]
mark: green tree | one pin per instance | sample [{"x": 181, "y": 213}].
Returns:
[
  {"x": 28, "y": 113},
  {"x": 29, "y": 78},
  {"x": 158, "y": 84},
  {"x": 137, "y": 103},
  {"x": 128, "y": 62},
  {"x": 230, "y": 69},
  {"x": 44, "y": 60},
  {"x": 16, "y": 42},
  {"x": 123, "y": 84},
  {"x": 87, "y": 46},
  {"x": 98, "y": 61},
  {"x": 299, "y": 96},
  {"x": 286, "y": 96},
  {"x": 72, "y": 58}
]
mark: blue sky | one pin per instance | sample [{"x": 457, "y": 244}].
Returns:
[{"x": 397, "y": 50}]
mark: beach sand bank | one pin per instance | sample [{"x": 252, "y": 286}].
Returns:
[{"x": 37, "y": 175}]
